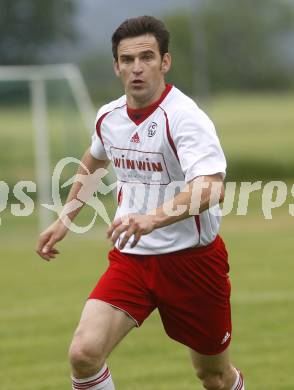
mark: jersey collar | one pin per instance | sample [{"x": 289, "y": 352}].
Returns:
[{"x": 140, "y": 114}]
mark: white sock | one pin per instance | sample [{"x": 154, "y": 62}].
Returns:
[
  {"x": 101, "y": 381},
  {"x": 239, "y": 383}
]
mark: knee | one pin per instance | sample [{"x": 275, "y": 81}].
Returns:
[
  {"x": 212, "y": 380},
  {"x": 83, "y": 355}
]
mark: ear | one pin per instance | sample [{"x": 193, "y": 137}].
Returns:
[
  {"x": 166, "y": 63},
  {"x": 116, "y": 67}
]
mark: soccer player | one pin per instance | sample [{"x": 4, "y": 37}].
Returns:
[{"x": 167, "y": 253}]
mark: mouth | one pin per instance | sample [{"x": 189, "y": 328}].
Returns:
[{"x": 137, "y": 82}]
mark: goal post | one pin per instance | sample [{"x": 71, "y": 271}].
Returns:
[{"x": 37, "y": 76}]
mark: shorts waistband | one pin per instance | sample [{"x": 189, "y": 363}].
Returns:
[
  {"x": 200, "y": 249},
  {"x": 196, "y": 249}
]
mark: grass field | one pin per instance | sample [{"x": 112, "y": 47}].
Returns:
[{"x": 41, "y": 302}]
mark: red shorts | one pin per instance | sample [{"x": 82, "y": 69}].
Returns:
[{"x": 190, "y": 288}]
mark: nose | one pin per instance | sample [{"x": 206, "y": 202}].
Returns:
[{"x": 137, "y": 68}]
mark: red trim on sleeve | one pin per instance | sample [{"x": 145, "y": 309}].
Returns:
[
  {"x": 100, "y": 120},
  {"x": 169, "y": 137},
  {"x": 98, "y": 126},
  {"x": 140, "y": 114}
]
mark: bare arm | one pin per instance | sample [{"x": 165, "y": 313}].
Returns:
[
  {"x": 57, "y": 231},
  {"x": 197, "y": 196}
]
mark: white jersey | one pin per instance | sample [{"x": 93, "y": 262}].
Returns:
[{"x": 154, "y": 152}]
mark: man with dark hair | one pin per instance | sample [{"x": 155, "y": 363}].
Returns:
[
  {"x": 141, "y": 26},
  {"x": 168, "y": 254}
]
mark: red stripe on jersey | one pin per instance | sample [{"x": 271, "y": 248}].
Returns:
[
  {"x": 98, "y": 126},
  {"x": 198, "y": 225},
  {"x": 119, "y": 196},
  {"x": 100, "y": 120},
  {"x": 173, "y": 146},
  {"x": 169, "y": 137},
  {"x": 140, "y": 114}
]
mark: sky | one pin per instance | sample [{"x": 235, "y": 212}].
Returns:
[{"x": 97, "y": 19}]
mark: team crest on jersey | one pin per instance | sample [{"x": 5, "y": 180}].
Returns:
[{"x": 152, "y": 129}]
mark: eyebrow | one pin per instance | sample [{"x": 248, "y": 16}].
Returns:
[{"x": 141, "y": 53}]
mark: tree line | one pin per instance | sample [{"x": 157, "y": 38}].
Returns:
[{"x": 216, "y": 46}]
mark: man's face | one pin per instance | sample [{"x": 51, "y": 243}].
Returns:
[{"x": 141, "y": 67}]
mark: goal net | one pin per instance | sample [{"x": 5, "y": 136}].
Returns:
[{"x": 45, "y": 114}]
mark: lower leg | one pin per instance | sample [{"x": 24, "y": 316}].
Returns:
[
  {"x": 88, "y": 370},
  {"x": 84, "y": 363},
  {"x": 218, "y": 379},
  {"x": 216, "y": 371},
  {"x": 100, "y": 329}
]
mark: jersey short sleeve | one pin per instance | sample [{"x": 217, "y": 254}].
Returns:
[
  {"x": 97, "y": 149},
  {"x": 197, "y": 144}
]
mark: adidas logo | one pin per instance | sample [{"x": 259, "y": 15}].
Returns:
[
  {"x": 135, "y": 138},
  {"x": 226, "y": 337}
]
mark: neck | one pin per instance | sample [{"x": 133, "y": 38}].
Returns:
[{"x": 135, "y": 103}]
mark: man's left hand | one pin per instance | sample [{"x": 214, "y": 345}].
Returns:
[{"x": 133, "y": 225}]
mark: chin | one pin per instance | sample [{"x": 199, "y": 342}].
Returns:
[{"x": 140, "y": 92}]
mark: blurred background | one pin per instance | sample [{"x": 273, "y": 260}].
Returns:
[{"x": 236, "y": 58}]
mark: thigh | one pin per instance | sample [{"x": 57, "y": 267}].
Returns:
[
  {"x": 102, "y": 327},
  {"x": 194, "y": 302},
  {"x": 124, "y": 286}
]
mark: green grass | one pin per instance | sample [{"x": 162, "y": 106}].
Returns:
[
  {"x": 41, "y": 303},
  {"x": 256, "y": 131},
  {"x": 255, "y": 125}
]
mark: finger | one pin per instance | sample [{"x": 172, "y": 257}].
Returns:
[
  {"x": 49, "y": 255},
  {"x": 42, "y": 241},
  {"x": 53, "y": 251},
  {"x": 117, "y": 232},
  {"x": 50, "y": 244},
  {"x": 113, "y": 226},
  {"x": 137, "y": 237},
  {"x": 125, "y": 220},
  {"x": 46, "y": 257},
  {"x": 127, "y": 236}
]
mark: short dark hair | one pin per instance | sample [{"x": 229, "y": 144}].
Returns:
[{"x": 141, "y": 25}]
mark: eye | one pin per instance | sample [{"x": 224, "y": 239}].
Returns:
[
  {"x": 126, "y": 60},
  {"x": 148, "y": 57}
]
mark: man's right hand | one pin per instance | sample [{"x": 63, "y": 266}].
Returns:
[
  {"x": 57, "y": 231},
  {"x": 54, "y": 233}
]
